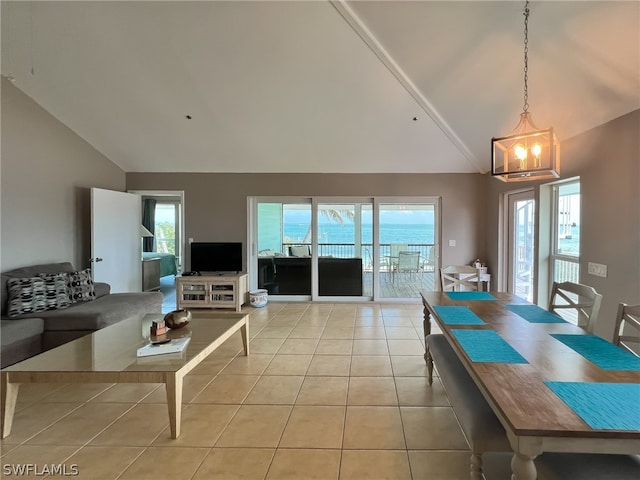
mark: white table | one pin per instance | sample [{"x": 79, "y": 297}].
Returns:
[{"x": 485, "y": 278}]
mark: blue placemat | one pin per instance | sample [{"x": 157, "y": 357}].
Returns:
[
  {"x": 470, "y": 296},
  {"x": 597, "y": 350},
  {"x": 535, "y": 314},
  {"x": 487, "y": 346},
  {"x": 604, "y": 406},
  {"x": 457, "y": 315}
]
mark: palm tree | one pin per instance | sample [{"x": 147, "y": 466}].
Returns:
[{"x": 332, "y": 215}]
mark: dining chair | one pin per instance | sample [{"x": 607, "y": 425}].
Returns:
[
  {"x": 454, "y": 277},
  {"x": 628, "y": 320},
  {"x": 576, "y": 303},
  {"x": 408, "y": 262}
]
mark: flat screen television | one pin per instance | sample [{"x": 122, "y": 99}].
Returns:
[{"x": 216, "y": 257}]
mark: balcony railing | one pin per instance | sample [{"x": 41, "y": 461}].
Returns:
[
  {"x": 347, "y": 250},
  {"x": 566, "y": 271}
]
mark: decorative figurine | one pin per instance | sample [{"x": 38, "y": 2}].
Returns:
[{"x": 177, "y": 318}]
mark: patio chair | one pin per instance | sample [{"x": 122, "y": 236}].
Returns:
[
  {"x": 408, "y": 262},
  {"x": 429, "y": 263},
  {"x": 627, "y": 320},
  {"x": 577, "y": 303},
  {"x": 389, "y": 262}
]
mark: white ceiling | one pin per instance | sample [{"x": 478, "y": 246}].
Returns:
[{"x": 319, "y": 86}]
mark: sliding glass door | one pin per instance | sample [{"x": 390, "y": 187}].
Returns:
[
  {"x": 408, "y": 249},
  {"x": 363, "y": 248},
  {"x": 284, "y": 247},
  {"x": 344, "y": 249}
]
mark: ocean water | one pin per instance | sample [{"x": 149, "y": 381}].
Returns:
[
  {"x": 570, "y": 246},
  {"x": 413, "y": 234},
  {"x": 336, "y": 233}
]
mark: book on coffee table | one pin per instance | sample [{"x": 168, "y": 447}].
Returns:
[{"x": 175, "y": 345}]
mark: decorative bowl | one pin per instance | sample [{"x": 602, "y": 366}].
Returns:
[
  {"x": 177, "y": 318},
  {"x": 258, "y": 298}
]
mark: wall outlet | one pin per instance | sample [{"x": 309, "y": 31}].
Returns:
[{"x": 597, "y": 269}]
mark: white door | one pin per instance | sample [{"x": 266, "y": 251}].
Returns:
[
  {"x": 522, "y": 225},
  {"x": 116, "y": 245}
]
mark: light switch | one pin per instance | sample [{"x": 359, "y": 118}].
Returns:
[
  {"x": 452, "y": 243},
  {"x": 597, "y": 269}
]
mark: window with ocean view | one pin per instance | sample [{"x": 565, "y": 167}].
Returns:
[{"x": 565, "y": 253}]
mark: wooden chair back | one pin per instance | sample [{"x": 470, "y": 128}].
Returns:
[
  {"x": 451, "y": 280},
  {"x": 577, "y": 303},
  {"x": 627, "y": 330}
]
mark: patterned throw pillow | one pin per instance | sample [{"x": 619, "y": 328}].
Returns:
[
  {"x": 81, "y": 288},
  {"x": 56, "y": 290},
  {"x": 26, "y": 295}
]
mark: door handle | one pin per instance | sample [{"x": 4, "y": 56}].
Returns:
[{"x": 96, "y": 260}]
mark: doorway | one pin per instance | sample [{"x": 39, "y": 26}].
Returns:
[
  {"x": 521, "y": 274},
  {"x": 163, "y": 217}
]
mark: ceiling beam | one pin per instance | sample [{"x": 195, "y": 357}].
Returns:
[{"x": 379, "y": 51}]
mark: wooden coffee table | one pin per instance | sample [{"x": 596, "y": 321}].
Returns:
[{"x": 109, "y": 356}]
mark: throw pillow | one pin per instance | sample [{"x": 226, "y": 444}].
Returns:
[
  {"x": 81, "y": 288},
  {"x": 26, "y": 295},
  {"x": 299, "y": 251},
  {"x": 56, "y": 290}
]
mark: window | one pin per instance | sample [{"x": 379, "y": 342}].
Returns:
[{"x": 565, "y": 247}]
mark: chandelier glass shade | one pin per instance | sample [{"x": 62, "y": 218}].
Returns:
[{"x": 527, "y": 153}]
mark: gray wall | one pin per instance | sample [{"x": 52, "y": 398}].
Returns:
[
  {"x": 216, "y": 204},
  {"x": 47, "y": 171},
  {"x": 607, "y": 160}
]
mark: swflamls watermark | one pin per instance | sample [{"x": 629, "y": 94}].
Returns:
[{"x": 36, "y": 469}]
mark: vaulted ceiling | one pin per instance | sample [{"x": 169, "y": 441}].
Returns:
[{"x": 319, "y": 86}]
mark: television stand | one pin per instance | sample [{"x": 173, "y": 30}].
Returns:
[{"x": 212, "y": 291}]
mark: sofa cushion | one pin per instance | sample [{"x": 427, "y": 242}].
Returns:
[
  {"x": 101, "y": 289},
  {"x": 15, "y": 330},
  {"x": 81, "y": 288},
  {"x": 103, "y": 311},
  {"x": 37, "y": 294},
  {"x": 27, "y": 272}
]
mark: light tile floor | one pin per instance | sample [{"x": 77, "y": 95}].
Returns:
[{"x": 330, "y": 391}]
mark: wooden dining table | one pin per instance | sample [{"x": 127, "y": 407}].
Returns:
[{"x": 520, "y": 393}]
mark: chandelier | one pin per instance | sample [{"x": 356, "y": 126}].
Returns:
[{"x": 526, "y": 153}]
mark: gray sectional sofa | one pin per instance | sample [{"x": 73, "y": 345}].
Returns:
[{"x": 25, "y": 335}]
